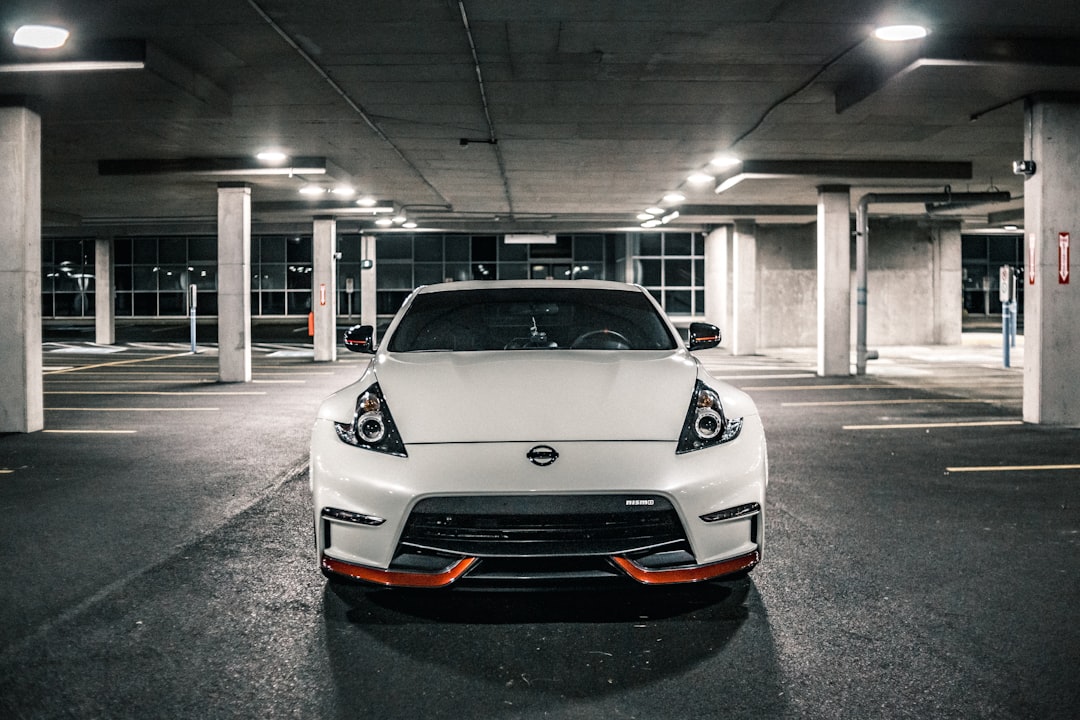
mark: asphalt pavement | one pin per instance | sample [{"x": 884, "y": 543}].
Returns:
[{"x": 923, "y": 549}]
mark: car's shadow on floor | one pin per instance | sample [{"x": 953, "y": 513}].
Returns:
[
  {"x": 536, "y": 651},
  {"x": 622, "y": 603}
]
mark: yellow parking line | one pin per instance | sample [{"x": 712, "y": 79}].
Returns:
[
  {"x": 913, "y": 426},
  {"x": 1011, "y": 468},
  {"x": 77, "y": 368},
  {"x": 930, "y": 401}
]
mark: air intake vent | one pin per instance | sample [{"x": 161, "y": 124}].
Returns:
[{"x": 545, "y": 525}]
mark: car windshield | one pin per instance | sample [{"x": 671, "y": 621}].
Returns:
[{"x": 531, "y": 319}]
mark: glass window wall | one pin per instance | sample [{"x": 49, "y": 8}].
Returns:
[{"x": 152, "y": 273}]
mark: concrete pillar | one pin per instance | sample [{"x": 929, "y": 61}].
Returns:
[
  {"x": 948, "y": 284},
  {"x": 104, "y": 289},
  {"x": 234, "y": 282},
  {"x": 368, "y": 309},
  {"x": 834, "y": 280},
  {"x": 21, "y": 390},
  {"x": 324, "y": 288},
  {"x": 717, "y": 287},
  {"x": 744, "y": 319},
  {"x": 1051, "y": 291}
]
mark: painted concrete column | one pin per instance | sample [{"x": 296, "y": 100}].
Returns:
[
  {"x": 717, "y": 287},
  {"x": 234, "y": 282},
  {"x": 1051, "y": 292},
  {"x": 21, "y": 391},
  {"x": 104, "y": 289},
  {"x": 744, "y": 319},
  {"x": 368, "y": 309},
  {"x": 324, "y": 288},
  {"x": 834, "y": 281}
]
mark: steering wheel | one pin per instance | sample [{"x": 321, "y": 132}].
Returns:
[{"x": 601, "y": 340}]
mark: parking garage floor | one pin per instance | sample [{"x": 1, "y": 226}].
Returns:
[{"x": 923, "y": 550}]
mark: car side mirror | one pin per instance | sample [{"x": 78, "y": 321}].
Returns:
[
  {"x": 360, "y": 338},
  {"x": 703, "y": 336}
]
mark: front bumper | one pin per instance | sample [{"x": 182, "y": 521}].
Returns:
[{"x": 384, "y": 491}]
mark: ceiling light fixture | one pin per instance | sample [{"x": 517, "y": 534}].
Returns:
[
  {"x": 655, "y": 210},
  {"x": 271, "y": 156},
  {"x": 409, "y": 224},
  {"x": 699, "y": 178},
  {"x": 40, "y": 37},
  {"x": 724, "y": 161},
  {"x": 384, "y": 221},
  {"x": 645, "y": 216},
  {"x": 343, "y": 191},
  {"x": 674, "y": 197},
  {"x": 900, "y": 33},
  {"x": 312, "y": 190}
]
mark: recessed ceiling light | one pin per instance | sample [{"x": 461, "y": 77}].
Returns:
[
  {"x": 271, "y": 156},
  {"x": 699, "y": 178},
  {"x": 343, "y": 191},
  {"x": 674, "y": 197},
  {"x": 650, "y": 223},
  {"x": 366, "y": 201},
  {"x": 312, "y": 190},
  {"x": 899, "y": 33},
  {"x": 41, "y": 37},
  {"x": 384, "y": 221},
  {"x": 724, "y": 161},
  {"x": 410, "y": 224},
  {"x": 644, "y": 216},
  {"x": 655, "y": 210}
]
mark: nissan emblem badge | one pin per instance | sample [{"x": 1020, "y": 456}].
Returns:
[{"x": 542, "y": 455}]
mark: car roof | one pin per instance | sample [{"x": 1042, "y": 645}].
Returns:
[{"x": 528, "y": 284}]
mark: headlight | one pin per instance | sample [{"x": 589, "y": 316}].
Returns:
[
  {"x": 372, "y": 426},
  {"x": 705, "y": 424}
]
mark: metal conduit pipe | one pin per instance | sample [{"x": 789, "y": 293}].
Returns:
[{"x": 862, "y": 231}]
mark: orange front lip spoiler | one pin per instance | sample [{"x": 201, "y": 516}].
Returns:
[
  {"x": 696, "y": 573},
  {"x": 394, "y": 578}
]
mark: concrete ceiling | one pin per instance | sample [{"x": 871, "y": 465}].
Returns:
[{"x": 578, "y": 114}]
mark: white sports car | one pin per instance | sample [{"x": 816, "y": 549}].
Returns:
[{"x": 536, "y": 431}]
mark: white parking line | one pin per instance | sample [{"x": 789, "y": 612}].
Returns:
[
  {"x": 1011, "y": 468},
  {"x": 767, "y": 388},
  {"x": 931, "y": 401},
  {"x": 915, "y": 426},
  {"x": 153, "y": 392},
  {"x": 91, "y": 432},
  {"x": 135, "y": 409},
  {"x": 796, "y": 376}
]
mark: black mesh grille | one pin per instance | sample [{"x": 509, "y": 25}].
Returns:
[{"x": 546, "y": 525}]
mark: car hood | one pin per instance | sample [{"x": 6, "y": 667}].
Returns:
[{"x": 537, "y": 396}]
